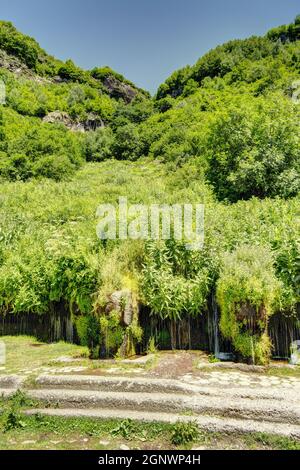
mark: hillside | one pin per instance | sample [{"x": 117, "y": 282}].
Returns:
[
  {"x": 41, "y": 90},
  {"x": 233, "y": 112},
  {"x": 224, "y": 132}
]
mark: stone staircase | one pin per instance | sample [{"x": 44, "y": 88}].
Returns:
[{"x": 228, "y": 409}]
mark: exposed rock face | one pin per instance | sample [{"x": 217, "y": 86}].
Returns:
[
  {"x": 58, "y": 117},
  {"x": 13, "y": 64},
  {"x": 122, "y": 302},
  {"x": 16, "y": 66},
  {"x": 118, "y": 89},
  {"x": 92, "y": 123}
]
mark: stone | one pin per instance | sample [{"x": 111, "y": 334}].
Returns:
[
  {"x": 59, "y": 117},
  {"x": 64, "y": 359},
  {"x": 124, "y": 447},
  {"x": 104, "y": 443},
  {"x": 93, "y": 122},
  {"x": 118, "y": 89}
]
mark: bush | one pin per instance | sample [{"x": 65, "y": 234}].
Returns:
[
  {"x": 13, "y": 420},
  {"x": 34, "y": 149},
  {"x": 126, "y": 145},
  {"x": 176, "y": 282},
  {"x": 98, "y": 145},
  {"x": 69, "y": 71},
  {"x": 253, "y": 150}
]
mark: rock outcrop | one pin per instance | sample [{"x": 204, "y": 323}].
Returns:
[
  {"x": 92, "y": 122},
  {"x": 59, "y": 117},
  {"x": 118, "y": 89},
  {"x": 122, "y": 302}
]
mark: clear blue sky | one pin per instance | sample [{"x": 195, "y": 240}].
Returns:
[{"x": 145, "y": 40}]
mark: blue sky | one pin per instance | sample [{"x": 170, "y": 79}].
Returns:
[{"x": 145, "y": 40}]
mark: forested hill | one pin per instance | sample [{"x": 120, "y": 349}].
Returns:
[
  {"x": 251, "y": 55},
  {"x": 236, "y": 113},
  {"x": 20, "y": 50},
  {"x": 50, "y": 105}
]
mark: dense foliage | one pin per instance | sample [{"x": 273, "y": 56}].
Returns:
[
  {"x": 224, "y": 133},
  {"x": 65, "y": 102}
]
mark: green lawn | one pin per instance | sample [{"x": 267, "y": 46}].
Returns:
[{"x": 24, "y": 353}]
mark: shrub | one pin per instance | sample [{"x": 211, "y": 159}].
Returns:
[
  {"x": 248, "y": 292},
  {"x": 126, "y": 145},
  {"x": 253, "y": 150},
  {"x": 112, "y": 333},
  {"x": 176, "y": 281},
  {"x": 98, "y": 145},
  {"x": 13, "y": 420},
  {"x": 184, "y": 433}
]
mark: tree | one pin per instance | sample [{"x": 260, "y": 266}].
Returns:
[
  {"x": 126, "y": 145},
  {"x": 253, "y": 149}
]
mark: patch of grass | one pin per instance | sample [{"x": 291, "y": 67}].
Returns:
[
  {"x": 21, "y": 400},
  {"x": 13, "y": 420},
  {"x": 284, "y": 371},
  {"x": 47, "y": 432},
  {"x": 12, "y": 417},
  {"x": 18, "y": 401},
  {"x": 152, "y": 349},
  {"x": 126, "y": 429}
]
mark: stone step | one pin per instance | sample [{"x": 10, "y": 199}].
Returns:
[
  {"x": 153, "y": 385},
  {"x": 244, "y": 408},
  {"x": 116, "y": 384},
  {"x": 10, "y": 382},
  {"x": 207, "y": 423},
  {"x": 7, "y": 392}
]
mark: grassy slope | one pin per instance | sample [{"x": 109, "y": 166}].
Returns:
[{"x": 63, "y": 225}]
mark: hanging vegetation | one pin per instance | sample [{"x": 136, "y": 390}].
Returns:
[{"x": 248, "y": 293}]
